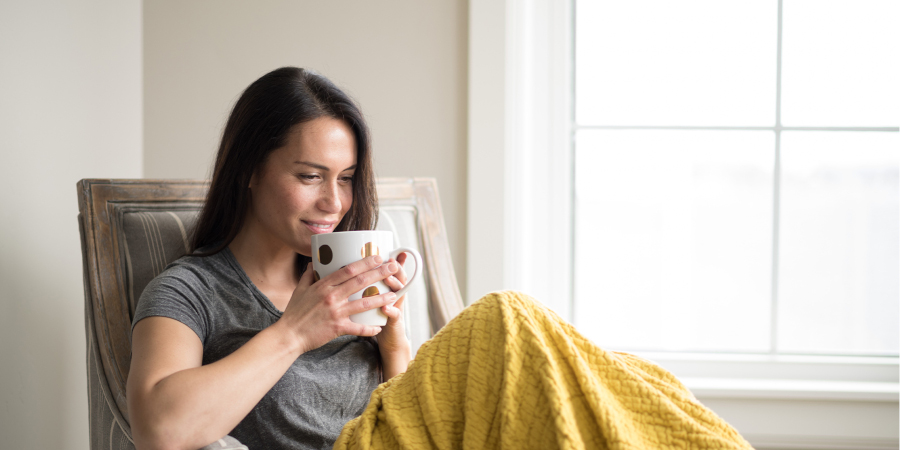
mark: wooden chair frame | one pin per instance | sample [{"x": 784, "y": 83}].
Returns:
[{"x": 102, "y": 204}]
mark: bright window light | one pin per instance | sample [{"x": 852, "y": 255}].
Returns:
[
  {"x": 840, "y": 216},
  {"x": 674, "y": 239},
  {"x": 841, "y": 64},
  {"x": 675, "y": 63},
  {"x": 737, "y": 176}
]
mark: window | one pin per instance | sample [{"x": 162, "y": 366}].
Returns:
[
  {"x": 811, "y": 156},
  {"x": 736, "y": 176}
]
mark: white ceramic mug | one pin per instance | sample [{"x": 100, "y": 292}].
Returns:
[{"x": 332, "y": 251}]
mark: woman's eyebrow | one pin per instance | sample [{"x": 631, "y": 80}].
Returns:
[
  {"x": 313, "y": 165},
  {"x": 321, "y": 167}
]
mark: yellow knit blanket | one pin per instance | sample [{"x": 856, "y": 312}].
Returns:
[{"x": 508, "y": 373}]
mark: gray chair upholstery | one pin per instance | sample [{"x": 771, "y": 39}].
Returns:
[{"x": 132, "y": 229}]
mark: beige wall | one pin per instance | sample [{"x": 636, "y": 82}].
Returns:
[
  {"x": 81, "y": 93},
  {"x": 70, "y": 108},
  {"x": 403, "y": 61}
]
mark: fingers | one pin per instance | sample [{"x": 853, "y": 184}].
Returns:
[
  {"x": 366, "y": 303},
  {"x": 399, "y": 303},
  {"x": 307, "y": 278},
  {"x": 401, "y": 274},
  {"x": 365, "y": 330},
  {"x": 354, "y": 269},
  {"x": 393, "y": 283},
  {"x": 393, "y": 313},
  {"x": 355, "y": 278},
  {"x": 401, "y": 259}
]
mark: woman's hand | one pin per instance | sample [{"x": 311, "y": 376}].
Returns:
[
  {"x": 392, "y": 341},
  {"x": 319, "y": 311},
  {"x": 175, "y": 401}
]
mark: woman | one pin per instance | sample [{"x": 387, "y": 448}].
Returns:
[
  {"x": 238, "y": 339},
  {"x": 220, "y": 339}
]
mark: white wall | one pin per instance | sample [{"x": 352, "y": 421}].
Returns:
[
  {"x": 404, "y": 61},
  {"x": 85, "y": 85},
  {"x": 70, "y": 108}
]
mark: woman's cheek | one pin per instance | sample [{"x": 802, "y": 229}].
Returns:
[{"x": 347, "y": 201}]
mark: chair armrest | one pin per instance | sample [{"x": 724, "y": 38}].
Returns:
[{"x": 226, "y": 443}]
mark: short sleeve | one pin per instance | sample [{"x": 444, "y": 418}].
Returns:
[{"x": 180, "y": 293}]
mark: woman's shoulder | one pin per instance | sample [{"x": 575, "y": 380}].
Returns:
[
  {"x": 220, "y": 263},
  {"x": 193, "y": 272},
  {"x": 190, "y": 267},
  {"x": 183, "y": 291}
]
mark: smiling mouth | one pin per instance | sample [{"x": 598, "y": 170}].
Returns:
[{"x": 319, "y": 227}]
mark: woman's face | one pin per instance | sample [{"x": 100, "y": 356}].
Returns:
[{"x": 304, "y": 187}]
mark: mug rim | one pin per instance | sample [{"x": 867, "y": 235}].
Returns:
[{"x": 348, "y": 232}]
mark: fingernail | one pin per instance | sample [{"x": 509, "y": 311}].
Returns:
[
  {"x": 378, "y": 259},
  {"x": 391, "y": 296},
  {"x": 392, "y": 266}
]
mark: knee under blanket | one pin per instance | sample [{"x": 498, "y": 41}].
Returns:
[{"x": 509, "y": 373}]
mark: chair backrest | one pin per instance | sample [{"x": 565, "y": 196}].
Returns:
[{"x": 132, "y": 229}]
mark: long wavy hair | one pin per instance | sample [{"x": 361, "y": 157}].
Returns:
[{"x": 259, "y": 123}]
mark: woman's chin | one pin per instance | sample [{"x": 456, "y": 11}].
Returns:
[{"x": 304, "y": 248}]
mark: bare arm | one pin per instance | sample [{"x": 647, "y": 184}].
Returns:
[
  {"x": 177, "y": 403},
  {"x": 395, "y": 349}
]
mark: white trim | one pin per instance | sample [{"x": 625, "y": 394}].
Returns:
[
  {"x": 785, "y": 376},
  {"x": 792, "y": 389},
  {"x": 538, "y": 155},
  {"x": 819, "y": 443},
  {"x": 519, "y": 153},
  {"x": 731, "y": 127},
  {"x": 776, "y": 197},
  {"x": 486, "y": 221},
  {"x": 811, "y": 424}
]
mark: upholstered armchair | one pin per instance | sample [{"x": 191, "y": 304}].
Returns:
[{"x": 132, "y": 229}]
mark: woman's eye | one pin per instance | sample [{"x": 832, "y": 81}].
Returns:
[
  {"x": 348, "y": 179},
  {"x": 308, "y": 176}
]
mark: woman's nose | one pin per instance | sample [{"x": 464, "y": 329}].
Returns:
[{"x": 330, "y": 200}]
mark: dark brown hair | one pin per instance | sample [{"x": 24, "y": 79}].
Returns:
[{"x": 259, "y": 123}]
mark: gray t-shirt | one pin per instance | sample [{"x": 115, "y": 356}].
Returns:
[{"x": 321, "y": 391}]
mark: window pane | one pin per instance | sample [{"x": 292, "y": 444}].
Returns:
[
  {"x": 695, "y": 63},
  {"x": 840, "y": 64},
  {"x": 840, "y": 216},
  {"x": 674, "y": 239}
]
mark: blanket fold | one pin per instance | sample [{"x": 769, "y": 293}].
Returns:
[{"x": 509, "y": 373}]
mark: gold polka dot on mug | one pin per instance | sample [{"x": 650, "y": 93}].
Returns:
[
  {"x": 370, "y": 291},
  {"x": 325, "y": 254},
  {"x": 369, "y": 249}
]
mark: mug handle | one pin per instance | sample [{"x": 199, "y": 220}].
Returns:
[{"x": 417, "y": 258}]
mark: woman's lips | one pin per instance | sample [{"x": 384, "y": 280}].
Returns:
[{"x": 319, "y": 227}]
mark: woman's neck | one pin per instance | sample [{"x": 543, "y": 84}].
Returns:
[{"x": 271, "y": 265}]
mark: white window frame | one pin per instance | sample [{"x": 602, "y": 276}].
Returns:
[
  {"x": 519, "y": 166},
  {"x": 520, "y": 237}
]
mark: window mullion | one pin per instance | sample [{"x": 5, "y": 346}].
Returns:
[{"x": 776, "y": 189}]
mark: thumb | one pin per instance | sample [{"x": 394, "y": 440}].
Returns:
[
  {"x": 399, "y": 303},
  {"x": 308, "y": 277}
]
